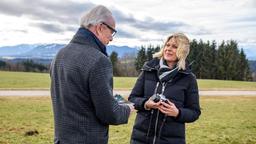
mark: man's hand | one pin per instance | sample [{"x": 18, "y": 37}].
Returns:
[{"x": 131, "y": 106}]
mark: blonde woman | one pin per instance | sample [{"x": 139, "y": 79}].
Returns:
[{"x": 165, "y": 95}]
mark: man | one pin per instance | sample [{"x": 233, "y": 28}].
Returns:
[{"x": 81, "y": 86}]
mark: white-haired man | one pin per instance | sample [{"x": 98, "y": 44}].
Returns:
[{"x": 82, "y": 84}]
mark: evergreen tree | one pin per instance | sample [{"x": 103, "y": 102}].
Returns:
[
  {"x": 114, "y": 61},
  {"x": 31, "y": 66},
  {"x": 141, "y": 58},
  {"x": 150, "y": 52},
  {"x": 244, "y": 72},
  {"x": 206, "y": 60},
  {"x": 193, "y": 56},
  {"x": 222, "y": 62},
  {"x": 233, "y": 59},
  {"x": 157, "y": 49},
  {"x": 2, "y": 64},
  {"x": 200, "y": 60},
  {"x": 212, "y": 60}
]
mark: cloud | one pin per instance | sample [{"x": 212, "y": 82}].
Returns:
[
  {"x": 125, "y": 34},
  {"x": 143, "y": 21},
  {"x": 14, "y": 31},
  {"x": 48, "y": 16},
  {"x": 48, "y": 27},
  {"x": 53, "y": 27},
  {"x": 248, "y": 18},
  {"x": 149, "y": 24},
  {"x": 21, "y": 31},
  {"x": 67, "y": 12}
]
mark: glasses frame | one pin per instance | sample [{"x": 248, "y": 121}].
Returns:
[{"x": 112, "y": 29}]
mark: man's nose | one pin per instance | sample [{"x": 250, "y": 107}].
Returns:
[{"x": 111, "y": 38}]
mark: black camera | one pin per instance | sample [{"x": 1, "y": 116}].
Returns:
[
  {"x": 121, "y": 100},
  {"x": 159, "y": 97}
]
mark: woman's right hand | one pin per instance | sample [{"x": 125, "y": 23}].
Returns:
[{"x": 150, "y": 104}]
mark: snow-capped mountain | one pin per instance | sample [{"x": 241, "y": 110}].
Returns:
[{"x": 48, "y": 51}]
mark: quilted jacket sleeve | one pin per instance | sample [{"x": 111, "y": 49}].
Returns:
[
  {"x": 191, "y": 110},
  {"x": 137, "y": 94}
]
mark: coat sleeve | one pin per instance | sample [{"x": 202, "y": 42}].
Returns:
[
  {"x": 137, "y": 94},
  {"x": 100, "y": 84},
  {"x": 191, "y": 110}
]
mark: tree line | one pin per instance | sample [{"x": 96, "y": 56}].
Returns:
[
  {"x": 26, "y": 65},
  {"x": 225, "y": 61},
  {"x": 210, "y": 61}
]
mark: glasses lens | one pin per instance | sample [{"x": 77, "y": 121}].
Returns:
[
  {"x": 113, "y": 33},
  {"x": 112, "y": 29}
]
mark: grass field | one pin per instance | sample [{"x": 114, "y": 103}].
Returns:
[
  {"x": 224, "y": 120},
  {"x": 26, "y": 80}
]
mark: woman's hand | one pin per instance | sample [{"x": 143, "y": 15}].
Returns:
[
  {"x": 150, "y": 104},
  {"x": 169, "y": 108}
]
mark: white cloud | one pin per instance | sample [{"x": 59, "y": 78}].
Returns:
[{"x": 138, "y": 22}]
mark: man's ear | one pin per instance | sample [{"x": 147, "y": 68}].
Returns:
[{"x": 98, "y": 29}]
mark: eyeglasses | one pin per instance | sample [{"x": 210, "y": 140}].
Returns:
[{"x": 112, "y": 29}]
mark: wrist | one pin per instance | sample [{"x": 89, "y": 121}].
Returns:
[
  {"x": 145, "y": 106},
  {"x": 177, "y": 114}
]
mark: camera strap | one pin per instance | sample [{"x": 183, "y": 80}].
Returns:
[
  {"x": 163, "y": 88},
  {"x": 157, "y": 84}
]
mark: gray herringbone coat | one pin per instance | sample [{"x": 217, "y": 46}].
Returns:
[{"x": 81, "y": 91}]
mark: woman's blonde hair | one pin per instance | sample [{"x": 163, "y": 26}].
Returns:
[{"x": 182, "y": 50}]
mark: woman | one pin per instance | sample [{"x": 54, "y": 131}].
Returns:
[{"x": 165, "y": 95}]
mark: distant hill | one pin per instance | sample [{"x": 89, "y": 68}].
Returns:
[
  {"x": 250, "y": 52},
  {"x": 121, "y": 50},
  {"x": 48, "y": 51},
  {"x": 16, "y": 50},
  {"x": 252, "y": 65},
  {"x": 43, "y": 53}
]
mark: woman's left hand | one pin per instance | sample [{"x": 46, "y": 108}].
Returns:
[{"x": 169, "y": 108}]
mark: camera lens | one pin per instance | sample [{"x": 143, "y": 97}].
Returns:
[{"x": 156, "y": 98}]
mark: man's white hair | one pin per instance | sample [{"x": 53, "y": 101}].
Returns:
[{"x": 95, "y": 16}]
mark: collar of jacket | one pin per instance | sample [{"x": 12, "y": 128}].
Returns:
[
  {"x": 153, "y": 65},
  {"x": 84, "y": 36}
]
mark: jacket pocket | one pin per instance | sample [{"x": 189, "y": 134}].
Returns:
[
  {"x": 142, "y": 121},
  {"x": 173, "y": 129}
]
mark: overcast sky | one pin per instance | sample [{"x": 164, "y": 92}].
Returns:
[{"x": 139, "y": 22}]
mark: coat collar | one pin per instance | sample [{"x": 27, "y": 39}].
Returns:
[
  {"x": 84, "y": 36},
  {"x": 153, "y": 65}
]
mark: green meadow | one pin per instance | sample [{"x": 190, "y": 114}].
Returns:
[
  {"x": 27, "y": 80},
  {"x": 224, "y": 120}
]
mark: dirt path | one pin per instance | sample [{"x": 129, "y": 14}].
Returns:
[{"x": 123, "y": 92}]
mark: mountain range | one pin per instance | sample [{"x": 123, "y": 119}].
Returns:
[
  {"x": 48, "y": 51},
  {"x": 44, "y": 53}
]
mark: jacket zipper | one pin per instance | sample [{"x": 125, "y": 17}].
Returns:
[
  {"x": 154, "y": 140},
  {"x": 157, "y": 116}
]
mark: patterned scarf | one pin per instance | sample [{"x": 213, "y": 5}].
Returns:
[{"x": 165, "y": 73}]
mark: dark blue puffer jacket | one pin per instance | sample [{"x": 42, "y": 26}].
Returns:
[{"x": 151, "y": 126}]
